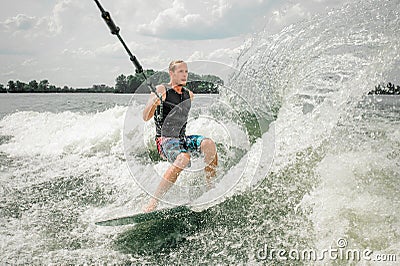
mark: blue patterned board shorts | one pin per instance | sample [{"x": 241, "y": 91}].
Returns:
[{"x": 170, "y": 148}]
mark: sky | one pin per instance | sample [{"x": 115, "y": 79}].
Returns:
[{"x": 68, "y": 43}]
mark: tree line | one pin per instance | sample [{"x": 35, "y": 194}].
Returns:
[
  {"x": 44, "y": 86},
  {"x": 388, "y": 88},
  {"x": 123, "y": 84},
  {"x": 136, "y": 83}
]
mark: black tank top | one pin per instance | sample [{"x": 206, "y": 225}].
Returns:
[{"x": 176, "y": 109}]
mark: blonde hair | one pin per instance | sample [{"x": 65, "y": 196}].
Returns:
[{"x": 173, "y": 64}]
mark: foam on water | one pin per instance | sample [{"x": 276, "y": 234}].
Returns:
[
  {"x": 358, "y": 197},
  {"x": 62, "y": 172},
  {"x": 56, "y": 167},
  {"x": 50, "y": 134},
  {"x": 316, "y": 73}
]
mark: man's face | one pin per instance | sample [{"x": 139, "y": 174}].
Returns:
[{"x": 180, "y": 74}]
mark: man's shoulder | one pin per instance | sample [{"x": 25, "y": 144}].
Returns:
[
  {"x": 186, "y": 89},
  {"x": 191, "y": 94}
]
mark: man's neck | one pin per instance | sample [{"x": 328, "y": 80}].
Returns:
[{"x": 176, "y": 87}]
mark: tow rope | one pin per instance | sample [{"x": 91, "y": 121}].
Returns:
[{"x": 139, "y": 69}]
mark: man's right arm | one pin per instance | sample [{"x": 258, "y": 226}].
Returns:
[{"x": 153, "y": 102}]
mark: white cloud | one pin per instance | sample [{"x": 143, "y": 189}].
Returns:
[
  {"x": 211, "y": 19},
  {"x": 197, "y": 55},
  {"x": 222, "y": 53},
  {"x": 289, "y": 15},
  {"x": 65, "y": 13},
  {"x": 78, "y": 52},
  {"x": 20, "y": 22},
  {"x": 116, "y": 48},
  {"x": 29, "y": 62},
  {"x": 7, "y": 74},
  {"x": 226, "y": 55},
  {"x": 175, "y": 17},
  {"x": 109, "y": 49}
]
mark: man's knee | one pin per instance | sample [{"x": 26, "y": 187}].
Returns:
[
  {"x": 208, "y": 145},
  {"x": 182, "y": 160}
]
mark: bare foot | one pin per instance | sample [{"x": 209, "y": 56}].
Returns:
[
  {"x": 151, "y": 206},
  {"x": 210, "y": 184}
]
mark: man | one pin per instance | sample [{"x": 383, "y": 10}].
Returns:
[{"x": 172, "y": 142}]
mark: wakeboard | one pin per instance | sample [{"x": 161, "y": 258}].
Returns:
[{"x": 145, "y": 217}]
